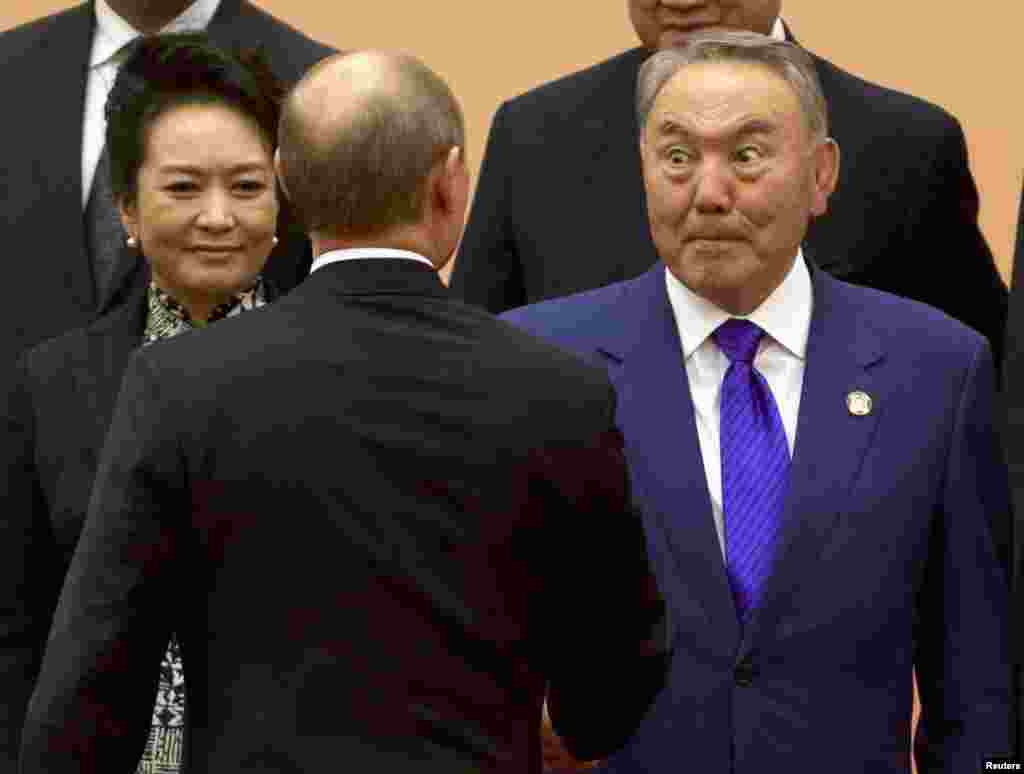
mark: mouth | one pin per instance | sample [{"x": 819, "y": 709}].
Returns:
[
  {"x": 709, "y": 246},
  {"x": 215, "y": 249},
  {"x": 689, "y": 26},
  {"x": 715, "y": 238}
]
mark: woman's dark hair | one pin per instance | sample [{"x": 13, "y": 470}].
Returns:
[{"x": 166, "y": 71}]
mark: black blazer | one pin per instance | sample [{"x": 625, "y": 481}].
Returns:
[
  {"x": 380, "y": 521},
  {"x": 56, "y": 417},
  {"x": 44, "y": 64},
  {"x": 560, "y": 204}
]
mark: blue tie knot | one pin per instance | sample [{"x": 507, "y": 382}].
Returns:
[{"x": 738, "y": 339}]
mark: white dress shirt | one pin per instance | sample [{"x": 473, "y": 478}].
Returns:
[
  {"x": 357, "y": 253},
  {"x": 785, "y": 317},
  {"x": 778, "y": 31},
  {"x": 111, "y": 35}
]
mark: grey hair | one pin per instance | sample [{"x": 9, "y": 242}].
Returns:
[
  {"x": 788, "y": 61},
  {"x": 365, "y": 175}
]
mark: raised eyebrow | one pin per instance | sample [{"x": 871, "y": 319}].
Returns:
[
  {"x": 757, "y": 126},
  {"x": 671, "y": 127}
]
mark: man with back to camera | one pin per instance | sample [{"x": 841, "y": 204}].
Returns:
[
  {"x": 559, "y": 204},
  {"x": 816, "y": 461},
  {"x": 363, "y": 499}
]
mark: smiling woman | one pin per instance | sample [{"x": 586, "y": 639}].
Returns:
[
  {"x": 191, "y": 134},
  {"x": 191, "y": 145},
  {"x": 205, "y": 206}
]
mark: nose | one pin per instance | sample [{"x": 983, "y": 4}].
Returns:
[
  {"x": 714, "y": 189},
  {"x": 216, "y": 212}
]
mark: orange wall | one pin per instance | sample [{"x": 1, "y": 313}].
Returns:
[{"x": 948, "y": 53}]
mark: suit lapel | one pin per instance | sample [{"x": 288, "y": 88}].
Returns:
[
  {"x": 831, "y": 442},
  {"x": 222, "y": 27},
  {"x": 58, "y": 118},
  {"x": 656, "y": 413}
]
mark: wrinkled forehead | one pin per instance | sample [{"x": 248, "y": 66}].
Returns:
[{"x": 717, "y": 97}]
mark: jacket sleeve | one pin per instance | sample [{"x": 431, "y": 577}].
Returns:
[
  {"x": 91, "y": 709},
  {"x": 31, "y": 568},
  {"x": 955, "y": 270},
  {"x": 488, "y": 271},
  {"x": 962, "y": 656},
  {"x": 609, "y": 647}
]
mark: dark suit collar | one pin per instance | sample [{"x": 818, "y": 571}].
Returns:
[
  {"x": 378, "y": 276},
  {"x": 227, "y": 13},
  {"x": 124, "y": 317},
  {"x": 59, "y": 74}
]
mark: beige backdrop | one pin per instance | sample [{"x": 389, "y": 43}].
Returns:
[{"x": 962, "y": 58}]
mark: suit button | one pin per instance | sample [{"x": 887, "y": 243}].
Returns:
[{"x": 744, "y": 674}]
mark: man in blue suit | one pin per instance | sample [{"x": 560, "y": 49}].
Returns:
[{"x": 816, "y": 461}]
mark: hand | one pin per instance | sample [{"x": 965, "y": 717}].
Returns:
[{"x": 557, "y": 760}]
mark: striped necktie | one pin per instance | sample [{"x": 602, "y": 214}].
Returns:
[{"x": 755, "y": 466}]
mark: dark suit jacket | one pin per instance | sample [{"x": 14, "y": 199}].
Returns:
[
  {"x": 379, "y": 521},
  {"x": 56, "y": 416},
  {"x": 886, "y": 563},
  {"x": 560, "y": 204},
  {"x": 1013, "y": 440},
  {"x": 43, "y": 64}
]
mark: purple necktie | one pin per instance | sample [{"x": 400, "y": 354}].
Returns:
[{"x": 755, "y": 466}]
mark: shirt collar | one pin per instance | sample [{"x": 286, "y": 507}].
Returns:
[
  {"x": 165, "y": 317},
  {"x": 778, "y": 29},
  {"x": 355, "y": 253},
  {"x": 113, "y": 33},
  {"x": 785, "y": 315}
]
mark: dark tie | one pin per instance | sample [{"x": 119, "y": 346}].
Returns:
[
  {"x": 103, "y": 229},
  {"x": 755, "y": 466}
]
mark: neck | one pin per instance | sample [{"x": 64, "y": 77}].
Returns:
[
  {"x": 198, "y": 306},
  {"x": 405, "y": 239},
  {"x": 148, "y": 16}
]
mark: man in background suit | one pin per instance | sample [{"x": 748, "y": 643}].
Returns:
[
  {"x": 559, "y": 206},
  {"x": 391, "y": 521},
  {"x": 61, "y": 247},
  {"x": 816, "y": 461},
  {"x": 1013, "y": 441}
]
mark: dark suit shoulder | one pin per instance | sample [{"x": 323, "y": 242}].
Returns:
[
  {"x": 57, "y": 354},
  {"x": 25, "y": 39},
  {"x": 291, "y": 51},
  {"x": 893, "y": 113},
  {"x": 52, "y": 356},
  {"x": 559, "y": 100},
  {"x": 484, "y": 362}
]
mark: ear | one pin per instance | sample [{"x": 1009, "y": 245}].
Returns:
[
  {"x": 279, "y": 171},
  {"x": 451, "y": 192},
  {"x": 826, "y": 175},
  {"x": 129, "y": 211}
]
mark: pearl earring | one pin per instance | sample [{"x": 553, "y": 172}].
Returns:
[
  {"x": 276, "y": 240},
  {"x": 132, "y": 242}
]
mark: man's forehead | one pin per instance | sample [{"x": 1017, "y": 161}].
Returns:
[{"x": 733, "y": 92}]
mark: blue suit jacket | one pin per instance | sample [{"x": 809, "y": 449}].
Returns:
[{"x": 887, "y": 543}]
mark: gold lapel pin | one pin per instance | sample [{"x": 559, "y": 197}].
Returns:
[{"x": 859, "y": 403}]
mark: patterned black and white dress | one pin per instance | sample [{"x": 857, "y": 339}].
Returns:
[{"x": 163, "y": 755}]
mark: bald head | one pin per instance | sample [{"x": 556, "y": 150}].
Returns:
[{"x": 359, "y": 137}]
